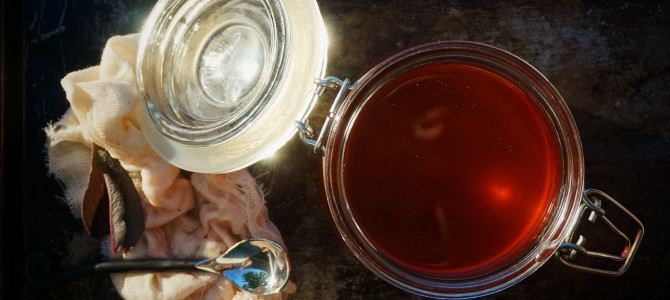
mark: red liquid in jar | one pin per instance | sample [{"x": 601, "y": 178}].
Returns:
[{"x": 450, "y": 170}]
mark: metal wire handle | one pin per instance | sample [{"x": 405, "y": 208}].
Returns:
[
  {"x": 591, "y": 201},
  {"x": 307, "y": 133}
]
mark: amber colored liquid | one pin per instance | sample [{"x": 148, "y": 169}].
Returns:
[{"x": 450, "y": 170}]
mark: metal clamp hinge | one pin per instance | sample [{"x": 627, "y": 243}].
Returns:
[
  {"x": 307, "y": 133},
  {"x": 591, "y": 201}
]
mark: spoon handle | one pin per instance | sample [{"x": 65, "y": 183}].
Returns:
[{"x": 37, "y": 269}]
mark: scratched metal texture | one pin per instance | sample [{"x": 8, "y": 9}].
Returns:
[{"x": 610, "y": 61}]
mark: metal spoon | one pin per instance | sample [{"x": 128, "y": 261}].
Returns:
[{"x": 258, "y": 266}]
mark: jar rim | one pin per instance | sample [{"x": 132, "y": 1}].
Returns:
[{"x": 559, "y": 219}]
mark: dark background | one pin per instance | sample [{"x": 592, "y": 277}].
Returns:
[{"x": 609, "y": 60}]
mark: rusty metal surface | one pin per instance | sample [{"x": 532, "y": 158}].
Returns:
[{"x": 610, "y": 61}]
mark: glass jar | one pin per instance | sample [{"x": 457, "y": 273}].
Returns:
[
  {"x": 219, "y": 78},
  {"x": 559, "y": 217},
  {"x": 228, "y": 82}
]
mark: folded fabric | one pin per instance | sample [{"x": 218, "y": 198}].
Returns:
[{"x": 187, "y": 215}]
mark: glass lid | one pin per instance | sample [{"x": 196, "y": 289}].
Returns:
[{"x": 224, "y": 80}]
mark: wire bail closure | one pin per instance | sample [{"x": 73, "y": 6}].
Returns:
[
  {"x": 307, "y": 133},
  {"x": 591, "y": 201}
]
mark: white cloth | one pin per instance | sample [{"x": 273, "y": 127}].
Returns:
[{"x": 186, "y": 216}]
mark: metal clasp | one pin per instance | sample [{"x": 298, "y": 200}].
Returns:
[
  {"x": 592, "y": 201},
  {"x": 307, "y": 133}
]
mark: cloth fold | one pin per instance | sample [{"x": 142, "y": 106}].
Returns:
[{"x": 186, "y": 214}]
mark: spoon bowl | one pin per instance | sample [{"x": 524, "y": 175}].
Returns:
[{"x": 258, "y": 266}]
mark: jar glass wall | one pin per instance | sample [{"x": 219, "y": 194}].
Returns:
[{"x": 556, "y": 218}]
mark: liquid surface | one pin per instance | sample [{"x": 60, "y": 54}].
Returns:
[{"x": 450, "y": 170}]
